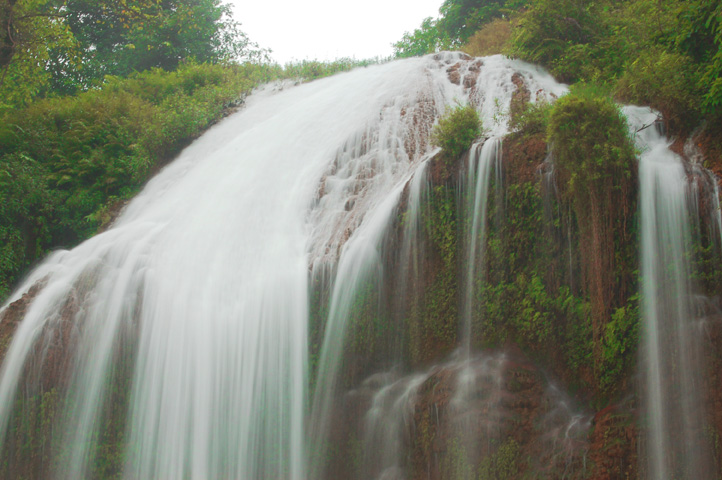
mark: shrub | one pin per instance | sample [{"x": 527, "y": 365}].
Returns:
[
  {"x": 65, "y": 161},
  {"x": 490, "y": 40},
  {"x": 313, "y": 69},
  {"x": 456, "y": 131},
  {"x": 590, "y": 138},
  {"x": 532, "y": 119},
  {"x": 665, "y": 81}
]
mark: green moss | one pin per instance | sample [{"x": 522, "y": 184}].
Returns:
[
  {"x": 432, "y": 323},
  {"x": 621, "y": 338},
  {"x": 504, "y": 463}
]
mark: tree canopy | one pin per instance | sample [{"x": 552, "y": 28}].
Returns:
[{"x": 62, "y": 46}]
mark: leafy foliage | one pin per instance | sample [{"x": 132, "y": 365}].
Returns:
[
  {"x": 491, "y": 39},
  {"x": 29, "y": 32},
  {"x": 54, "y": 46},
  {"x": 313, "y": 69},
  {"x": 700, "y": 36},
  {"x": 458, "y": 20},
  {"x": 590, "y": 138},
  {"x": 425, "y": 39},
  {"x": 666, "y": 81},
  {"x": 462, "y": 18},
  {"x": 621, "y": 337},
  {"x": 532, "y": 119},
  {"x": 64, "y": 162},
  {"x": 152, "y": 34},
  {"x": 457, "y": 130}
]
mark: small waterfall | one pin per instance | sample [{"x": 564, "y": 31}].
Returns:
[
  {"x": 388, "y": 427},
  {"x": 483, "y": 161},
  {"x": 675, "y": 445},
  {"x": 492, "y": 93}
]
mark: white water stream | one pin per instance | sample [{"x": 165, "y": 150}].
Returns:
[{"x": 674, "y": 411}]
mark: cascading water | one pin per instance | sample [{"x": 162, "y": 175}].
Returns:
[
  {"x": 493, "y": 94},
  {"x": 208, "y": 268},
  {"x": 483, "y": 160},
  {"x": 178, "y": 339},
  {"x": 676, "y": 446}
]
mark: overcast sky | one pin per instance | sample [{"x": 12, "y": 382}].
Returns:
[{"x": 328, "y": 29}]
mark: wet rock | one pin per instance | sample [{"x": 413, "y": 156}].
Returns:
[
  {"x": 453, "y": 73},
  {"x": 11, "y": 316}
]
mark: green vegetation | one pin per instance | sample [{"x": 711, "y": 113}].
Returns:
[
  {"x": 525, "y": 296},
  {"x": 621, "y": 337},
  {"x": 590, "y": 139},
  {"x": 313, "y": 69},
  {"x": 50, "y": 47},
  {"x": 31, "y": 435},
  {"x": 458, "y": 21},
  {"x": 491, "y": 39},
  {"x": 65, "y": 162},
  {"x": 504, "y": 463},
  {"x": 596, "y": 163},
  {"x": 147, "y": 76},
  {"x": 431, "y": 324},
  {"x": 456, "y": 131}
]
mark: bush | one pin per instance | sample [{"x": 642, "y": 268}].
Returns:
[
  {"x": 665, "y": 81},
  {"x": 314, "y": 69},
  {"x": 490, "y": 40},
  {"x": 456, "y": 131},
  {"x": 532, "y": 120},
  {"x": 65, "y": 161},
  {"x": 590, "y": 138}
]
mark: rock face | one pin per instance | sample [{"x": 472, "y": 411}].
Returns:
[
  {"x": 614, "y": 444},
  {"x": 11, "y": 316}
]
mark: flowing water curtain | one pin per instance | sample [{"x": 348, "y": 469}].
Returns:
[
  {"x": 212, "y": 285},
  {"x": 672, "y": 360}
]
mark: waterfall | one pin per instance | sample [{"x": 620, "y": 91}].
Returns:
[
  {"x": 483, "y": 161},
  {"x": 178, "y": 340},
  {"x": 676, "y": 445}
]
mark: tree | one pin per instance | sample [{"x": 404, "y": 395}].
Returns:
[
  {"x": 426, "y": 39},
  {"x": 68, "y": 45},
  {"x": 29, "y": 30},
  {"x": 118, "y": 37},
  {"x": 461, "y": 18},
  {"x": 700, "y": 36}
]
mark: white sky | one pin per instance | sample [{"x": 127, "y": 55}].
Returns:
[{"x": 329, "y": 29}]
